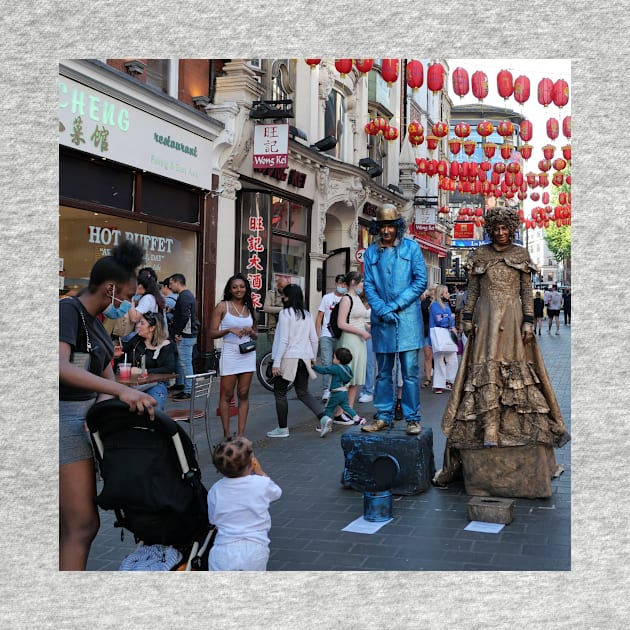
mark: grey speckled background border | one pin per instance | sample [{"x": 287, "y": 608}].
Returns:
[{"x": 35, "y": 37}]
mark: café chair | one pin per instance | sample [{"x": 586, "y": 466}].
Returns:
[{"x": 199, "y": 405}]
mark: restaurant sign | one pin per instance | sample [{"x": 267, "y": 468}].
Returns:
[
  {"x": 271, "y": 146},
  {"x": 102, "y": 125},
  {"x": 425, "y": 219}
]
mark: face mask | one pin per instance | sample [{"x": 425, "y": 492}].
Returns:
[
  {"x": 111, "y": 312},
  {"x": 342, "y": 290},
  {"x": 359, "y": 291}
]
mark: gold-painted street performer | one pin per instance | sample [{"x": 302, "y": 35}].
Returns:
[
  {"x": 395, "y": 278},
  {"x": 502, "y": 420}
]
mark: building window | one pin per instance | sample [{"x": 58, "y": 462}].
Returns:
[
  {"x": 157, "y": 73},
  {"x": 334, "y": 119}
]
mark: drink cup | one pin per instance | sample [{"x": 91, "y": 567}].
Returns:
[{"x": 125, "y": 371}]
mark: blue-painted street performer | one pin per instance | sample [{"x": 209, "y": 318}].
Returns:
[{"x": 395, "y": 278}]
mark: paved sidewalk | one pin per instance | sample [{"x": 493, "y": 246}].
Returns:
[{"x": 427, "y": 532}]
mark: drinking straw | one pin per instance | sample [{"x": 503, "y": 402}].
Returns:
[{"x": 125, "y": 361}]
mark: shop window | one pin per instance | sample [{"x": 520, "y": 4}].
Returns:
[
  {"x": 162, "y": 199},
  {"x": 334, "y": 119},
  {"x": 157, "y": 73},
  {"x": 288, "y": 259},
  {"x": 287, "y": 216},
  {"x": 95, "y": 181}
]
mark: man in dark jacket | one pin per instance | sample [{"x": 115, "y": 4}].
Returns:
[{"x": 183, "y": 330}]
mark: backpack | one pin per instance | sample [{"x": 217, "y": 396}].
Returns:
[{"x": 333, "y": 325}]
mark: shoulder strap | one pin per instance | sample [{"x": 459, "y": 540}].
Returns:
[{"x": 79, "y": 307}]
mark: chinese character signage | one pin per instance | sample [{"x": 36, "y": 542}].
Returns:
[
  {"x": 425, "y": 218},
  {"x": 271, "y": 146},
  {"x": 255, "y": 265},
  {"x": 464, "y": 229}
]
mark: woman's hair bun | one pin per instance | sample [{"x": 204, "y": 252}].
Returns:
[{"x": 128, "y": 254}]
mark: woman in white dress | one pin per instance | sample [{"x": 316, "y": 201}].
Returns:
[
  {"x": 234, "y": 321},
  {"x": 352, "y": 322}
]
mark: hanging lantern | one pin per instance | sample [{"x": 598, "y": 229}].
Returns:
[
  {"x": 499, "y": 167},
  {"x": 313, "y": 63},
  {"x": 472, "y": 168},
  {"x": 566, "y": 152},
  {"x": 421, "y": 165},
  {"x": 519, "y": 181},
  {"x": 432, "y": 142},
  {"x": 566, "y": 126},
  {"x": 521, "y": 89},
  {"x": 506, "y": 150},
  {"x": 562, "y": 198},
  {"x": 343, "y": 66},
  {"x": 548, "y": 151},
  {"x": 415, "y": 74},
  {"x": 454, "y": 169},
  {"x": 415, "y": 128},
  {"x": 462, "y": 130},
  {"x": 454, "y": 144},
  {"x": 442, "y": 168},
  {"x": 485, "y": 128},
  {"x": 553, "y": 128},
  {"x": 380, "y": 124},
  {"x": 371, "y": 129},
  {"x": 505, "y": 128},
  {"x": 391, "y": 134},
  {"x": 461, "y": 84},
  {"x": 440, "y": 129},
  {"x": 469, "y": 148},
  {"x": 534, "y": 196},
  {"x": 431, "y": 167},
  {"x": 532, "y": 180},
  {"x": 545, "y": 91},
  {"x": 364, "y": 65},
  {"x": 389, "y": 71},
  {"x": 464, "y": 170},
  {"x": 568, "y": 179},
  {"x": 545, "y": 198},
  {"x": 485, "y": 165},
  {"x": 505, "y": 84},
  {"x": 526, "y": 151},
  {"x": 435, "y": 77},
  {"x": 526, "y": 130},
  {"x": 543, "y": 180},
  {"x": 544, "y": 165},
  {"x": 557, "y": 178},
  {"x": 508, "y": 178},
  {"x": 479, "y": 85},
  {"x": 559, "y": 164},
  {"x": 416, "y": 139},
  {"x": 560, "y": 93},
  {"x": 513, "y": 167},
  {"x": 489, "y": 149}
]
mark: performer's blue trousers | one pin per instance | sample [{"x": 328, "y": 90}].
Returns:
[{"x": 384, "y": 396}]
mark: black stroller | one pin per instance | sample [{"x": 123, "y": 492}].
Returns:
[{"x": 151, "y": 480}]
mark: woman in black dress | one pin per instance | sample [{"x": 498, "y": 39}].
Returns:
[{"x": 539, "y": 310}]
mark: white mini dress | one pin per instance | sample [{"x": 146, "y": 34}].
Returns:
[{"x": 232, "y": 361}]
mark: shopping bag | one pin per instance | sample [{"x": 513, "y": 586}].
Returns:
[{"x": 441, "y": 340}]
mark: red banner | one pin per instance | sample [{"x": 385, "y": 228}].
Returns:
[{"x": 463, "y": 230}]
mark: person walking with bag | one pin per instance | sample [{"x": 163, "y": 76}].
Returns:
[
  {"x": 441, "y": 321},
  {"x": 234, "y": 321},
  {"x": 294, "y": 351}
]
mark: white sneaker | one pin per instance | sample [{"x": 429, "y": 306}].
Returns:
[
  {"x": 342, "y": 418},
  {"x": 326, "y": 394},
  {"x": 278, "y": 433},
  {"x": 326, "y": 424},
  {"x": 365, "y": 398}
]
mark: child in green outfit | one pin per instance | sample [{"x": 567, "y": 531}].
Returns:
[{"x": 341, "y": 375}]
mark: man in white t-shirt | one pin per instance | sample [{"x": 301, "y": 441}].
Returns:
[
  {"x": 327, "y": 342},
  {"x": 554, "y": 302}
]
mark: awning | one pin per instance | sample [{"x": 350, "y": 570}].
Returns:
[{"x": 432, "y": 247}]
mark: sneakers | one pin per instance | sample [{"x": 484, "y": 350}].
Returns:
[
  {"x": 181, "y": 396},
  {"x": 377, "y": 425},
  {"x": 326, "y": 394},
  {"x": 437, "y": 391},
  {"x": 449, "y": 385},
  {"x": 326, "y": 426},
  {"x": 557, "y": 333},
  {"x": 366, "y": 398},
  {"x": 413, "y": 428},
  {"x": 278, "y": 433},
  {"x": 342, "y": 419},
  {"x": 176, "y": 388}
]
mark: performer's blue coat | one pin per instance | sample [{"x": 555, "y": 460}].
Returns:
[{"x": 395, "y": 278}]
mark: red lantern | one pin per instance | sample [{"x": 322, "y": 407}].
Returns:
[
  {"x": 544, "y": 165},
  {"x": 479, "y": 85},
  {"x": 416, "y": 140},
  {"x": 442, "y": 168},
  {"x": 380, "y": 124},
  {"x": 526, "y": 151},
  {"x": 506, "y": 151},
  {"x": 461, "y": 85},
  {"x": 364, "y": 65},
  {"x": 532, "y": 180},
  {"x": 485, "y": 128},
  {"x": 508, "y": 178},
  {"x": 370, "y": 128},
  {"x": 462, "y": 130},
  {"x": 521, "y": 89},
  {"x": 553, "y": 128},
  {"x": 488, "y": 149},
  {"x": 454, "y": 144},
  {"x": 568, "y": 180},
  {"x": 543, "y": 180},
  {"x": 557, "y": 178},
  {"x": 534, "y": 196},
  {"x": 560, "y": 93},
  {"x": 435, "y": 77},
  {"x": 391, "y": 134},
  {"x": 432, "y": 142},
  {"x": 431, "y": 167},
  {"x": 545, "y": 91},
  {"x": 421, "y": 165},
  {"x": 343, "y": 66},
  {"x": 513, "y": 167},
  {"x": 566, "y": 152},
  {"x": 469, "y": 147},
  {"x": 499, "y": 167},
  {"x": 454, "y": 169},
  {"x": 519, "y": 181},
  {"x": 505, "y": 128},
  {"x": 415, "y": 74},
  {"x": 545, "y": 198},
  {"x": 485, "y": 165},
  {"x": 389, "y": 71},
  {"x": 464, "y": 170},
  {"x": 562, "y": 198},
  {"x": 548, "y": 151},
  {"x": 472, "y": 168},
  {"x": 415, "y": 128},
  {"x": 440, "y": 129},
  {"x": 505, "y": 84},
  {"x": 312, "y": 62},
  {"x": 566, "y": 126},
  {"x": 559, "y": 164},
  {"x": 526, "y": 131}
]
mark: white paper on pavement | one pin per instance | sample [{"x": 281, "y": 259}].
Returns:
[
  {"x": 485, "y": 528},
  {"x": 361, "y": 526}
]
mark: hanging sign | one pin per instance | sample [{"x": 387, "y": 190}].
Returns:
[
  {"x": 271, "y": 146},
  {"x": 425, "y": 218}
]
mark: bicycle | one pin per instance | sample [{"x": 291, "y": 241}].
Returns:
[{"x": 262, "y": 366}]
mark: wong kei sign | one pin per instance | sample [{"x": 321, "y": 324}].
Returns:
[
  {"x": 255, "y": 252},
  {"x": 99, "y": 124}
]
